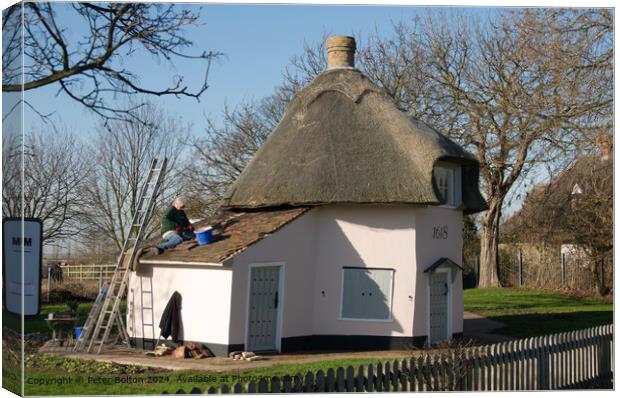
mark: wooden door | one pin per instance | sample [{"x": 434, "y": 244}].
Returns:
[
  {"x": 438, "y": 317},
  {"x": 263, "y": 311}
]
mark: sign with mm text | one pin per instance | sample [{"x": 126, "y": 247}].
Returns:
[{"x": 21, "y": 265}]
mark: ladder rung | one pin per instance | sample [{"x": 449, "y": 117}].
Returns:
[
  {"x": 147, "y": 308},
  {"x": 148, "y": 324}
]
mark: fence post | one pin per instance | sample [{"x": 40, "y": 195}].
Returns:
[
  {"x": 563, "y": 269},
  {"x": 49, "y": 282},
  {"x": 101, "y": 278},
  {"x": 520, "y": 268},
  {"x": 477, "y": 270}
]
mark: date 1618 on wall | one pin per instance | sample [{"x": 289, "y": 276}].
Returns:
[{"x": 440, "y": 232}]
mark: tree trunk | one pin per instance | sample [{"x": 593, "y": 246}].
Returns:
[
  {"x": 599, "y": 276},
  {"x": 489, "y": 241}
]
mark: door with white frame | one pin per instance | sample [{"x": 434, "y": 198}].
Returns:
[
  {"x": 264, "y": 307},
  {"x": 439, "y": 306}
]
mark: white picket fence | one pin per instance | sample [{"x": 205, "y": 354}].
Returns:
[
  {"x": 581, "y": 359},
  {"x": 87, "y": 272}
]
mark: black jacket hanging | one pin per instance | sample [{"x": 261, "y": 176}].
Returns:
[{"x": 170, "y": 323}]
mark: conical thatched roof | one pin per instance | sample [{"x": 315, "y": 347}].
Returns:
[{"x": 342, "y": 140}]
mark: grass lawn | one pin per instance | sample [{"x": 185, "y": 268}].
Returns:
[
  {"x": 533, "y": 313},
  {"x": 92, "y": 380},
  {"x": 525, "y": 313}
]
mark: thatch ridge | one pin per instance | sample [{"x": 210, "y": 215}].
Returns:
[{"x": 343, "y": 140}]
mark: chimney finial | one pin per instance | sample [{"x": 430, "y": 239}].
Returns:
[{"x": 340, "y": 52}]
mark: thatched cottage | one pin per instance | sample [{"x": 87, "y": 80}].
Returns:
[{"x": 343, "y": 232}]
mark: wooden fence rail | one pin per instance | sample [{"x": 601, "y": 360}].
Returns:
[
  {"x": 87, "y": 272},
  {"x": 578, "y": 359}
]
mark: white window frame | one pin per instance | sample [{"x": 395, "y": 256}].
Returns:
[
  {"x": 454, "y": 198},
  {"x": 390, "y": 318}
]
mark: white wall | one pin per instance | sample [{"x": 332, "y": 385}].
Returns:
[{"x": 206, "y": 297}]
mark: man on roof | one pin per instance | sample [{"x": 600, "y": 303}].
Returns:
[{"x": 175, "y": 226}]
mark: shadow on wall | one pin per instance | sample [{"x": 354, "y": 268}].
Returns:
[{"x": 366, "y": 284}]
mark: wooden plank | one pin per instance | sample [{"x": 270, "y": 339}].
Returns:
[
  {"x": 395, "y": 377},
  {"x": 340, "y": 379},
  {"x": 500, "y": 367},
  {"x": 275, "y": 385},
  {"x": 413, "y": 381},
  {"x": 287, "y": 382},
  {"x": 320, "y": 381},
  {"x": 428, "y": 373},
  {"x": 262, "y": 386},
  {"x": 572, "y": 359},
  {"x": 251, "y": 388},
  {"x": 359, "y": 381},
  {"x": 475, "y": 372},
  {"x": 330, "y": 380},
  {"x": 350, "y": 383},
  {"x": 370, "y": 379},
  {"x": 404, "y": 375},
  {"x": 448, "y": 368},
  {"x": 382, "y": 378},
  {"x": 435, "y": 369},
  {"x": 298, "y": 383},
  {"x": 420, "y": 385},
  {"x": 308, "y": 383}
]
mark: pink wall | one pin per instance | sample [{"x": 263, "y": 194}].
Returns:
[
  {"x": 364, "y": 236},
  {"x": 430, "y": 247},
  {"x": 313, "y": 250},
  {"x": 294, "y": 246}
]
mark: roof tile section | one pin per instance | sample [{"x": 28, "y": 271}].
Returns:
[{"x": 233, "y": 233}]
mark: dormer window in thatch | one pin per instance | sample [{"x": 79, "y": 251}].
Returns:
[{"x": 448, "y": 182}]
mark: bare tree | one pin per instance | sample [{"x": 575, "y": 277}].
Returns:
[
  {"x": 518, "y": 102},
  {"x": 91, "y": 69},
  {"x": 51, "y": 181},
  {"x": 520, "y": 91},
  {"x": 121, "y": 155},
  {"x": 222, "y": 154}
]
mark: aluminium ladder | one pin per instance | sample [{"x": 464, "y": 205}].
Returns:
[{"x": 102, "y": 318}]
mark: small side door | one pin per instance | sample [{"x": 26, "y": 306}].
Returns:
[
  {"x": 438, "y": 307},
  {"x": 264, "y": 301}
]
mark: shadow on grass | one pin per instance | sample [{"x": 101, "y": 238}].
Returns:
[{"x": 530, "y": 325}]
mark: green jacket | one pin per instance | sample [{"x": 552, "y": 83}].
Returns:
[{"x": 173, "y": 218}]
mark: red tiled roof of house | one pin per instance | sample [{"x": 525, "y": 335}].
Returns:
[{"x": 233, "y": 232}]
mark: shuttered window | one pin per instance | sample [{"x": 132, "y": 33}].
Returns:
[{"x": 367, "y": 293}]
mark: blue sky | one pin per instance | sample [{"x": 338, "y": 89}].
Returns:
[{"x": 258, "y": 42}]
